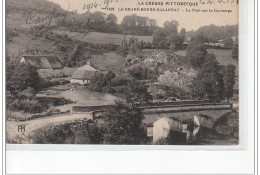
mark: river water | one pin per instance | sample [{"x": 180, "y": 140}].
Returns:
[{"x": 81, "y": 96}]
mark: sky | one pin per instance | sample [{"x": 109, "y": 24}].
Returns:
[{"x": 188, "y": 20}]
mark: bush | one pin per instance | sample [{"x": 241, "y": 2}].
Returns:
[
  {"x": 228, "y": 124},
  {"x": 141, "y": 73},
  {"x": 69, "y": 133},
  {"x": 26, "y": 105}
]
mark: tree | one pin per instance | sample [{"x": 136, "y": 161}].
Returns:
[
  {"x": 229, "y": 81},
  {"x": 123, "y": 47},
  {"x": 209, "y": 81},
  {"x": 228, "y": 42},
  {"x": 174, "y": 38},
  {"x": 100, "y": 80},
  {"x": 111, "y": 18},
  {"x": 196, "y": 54},
  {"x": 20, "y": 76},
  {"x": 158, "y": 36},
  {"x": 123, "y": 124},
  {"x": 171, "y": 27},
  {"x": 141, "y": 73},
  {"x": 172, "y": 48},
  {"x": 182, "y": 34},
  {"x": 235, "y": 52},
  {"x": 137, "y": 92},
  {"x": 98, "y": 17}
]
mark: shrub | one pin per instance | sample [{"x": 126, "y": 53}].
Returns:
[
  {"x": 69, "y": 133},
  {"x": 26, "y": 105},
  {"x": 228, "y": 124}
]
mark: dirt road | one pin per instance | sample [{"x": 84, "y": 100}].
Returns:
[{"x": 27, "y": 127}]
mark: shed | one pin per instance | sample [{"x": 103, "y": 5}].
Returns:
[{"x": 42, "y": 61}]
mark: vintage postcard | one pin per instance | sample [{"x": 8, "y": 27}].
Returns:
[{"x": 120, "y": 72}]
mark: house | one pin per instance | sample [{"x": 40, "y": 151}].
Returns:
[
  {"x": 42, "y": 61},
  {"x": 169, "y": 128},
  {"x": 84, "y": 74}
]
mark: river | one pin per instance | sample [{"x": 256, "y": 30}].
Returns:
[{"x": 79, "y": 95}]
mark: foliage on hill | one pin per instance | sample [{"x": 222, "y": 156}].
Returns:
[
  {"x": 169, "y": 36},
  {"x": 24, "y": 6},
  {"x": 215, "y": 33}
]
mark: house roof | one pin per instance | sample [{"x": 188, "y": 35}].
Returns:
[
  {"x": 43, "y": 61},
  {"x": 82, "y": 74},
  {"x": 88, "y": 68}
]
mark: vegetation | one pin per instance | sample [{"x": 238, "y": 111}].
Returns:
[
  {"x": 215, "y": 33},
  {"x": 209, "y": 81},
  {"x": 228, "y": 124},
  {"x": 235, "y": 52},
  {"x": 21, "y": 76},
  {"x": 229, "y": 81},
  {"x": 228, "y": 42},
  {"x": 164, "y": 37},
  {"x": 123, "y": 124},
  {"x": 69, "y": 133},
  {"x": 142, "y": 73},
  {"x": 197, "y": 51}
]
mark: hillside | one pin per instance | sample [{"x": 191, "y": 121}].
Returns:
[{"x": 43, "y": 6}]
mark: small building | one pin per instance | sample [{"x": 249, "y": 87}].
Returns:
[
  {"x": 83, "y": 74},
  {"x": 42, "y": 61},
  {"x": 169, "y": 128}
]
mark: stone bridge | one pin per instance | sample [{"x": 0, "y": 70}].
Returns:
[{"x": 160, "y": 108}]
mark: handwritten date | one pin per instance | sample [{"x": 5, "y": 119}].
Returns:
[{"x": 209, "y": 2}]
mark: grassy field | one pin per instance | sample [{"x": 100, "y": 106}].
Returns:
[{"x": 102, "y": 38}]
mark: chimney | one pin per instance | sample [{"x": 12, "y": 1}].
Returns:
[{"x": 89, "y": 63}]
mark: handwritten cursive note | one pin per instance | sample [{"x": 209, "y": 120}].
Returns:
[
  {"x": 94, "y": 5},
  {"x": 210, "y": 2}
]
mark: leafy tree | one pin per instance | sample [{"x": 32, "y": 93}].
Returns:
[
  {"x": 158, "y": 36},
  {"x": 123, "y": 47},
  {"x": 228, "y": 42},
  {"x": 209, "y": 81},
  {"x": 111, "y": 18},
  {"x": 182, "y": 34},
  {"x": 196, "y": 54},
  {"x": 123, "y": 124},
  {"x": 235, "y": 52},
  {"x": 137, "y": 92},
  {"x": 171, "y": 27},
  {"x": 100, "y": 80},
  {"x": 174, "y": 38},
  {"x": 229, "y": 81},
  {"x": 141, "y": 73},
  {"x": 20, "y": 76}
]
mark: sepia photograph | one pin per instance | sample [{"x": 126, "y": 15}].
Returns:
[{"x": 118, "y": 72}]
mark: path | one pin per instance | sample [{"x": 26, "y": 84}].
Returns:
[{"x": 31, "y": 125}]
